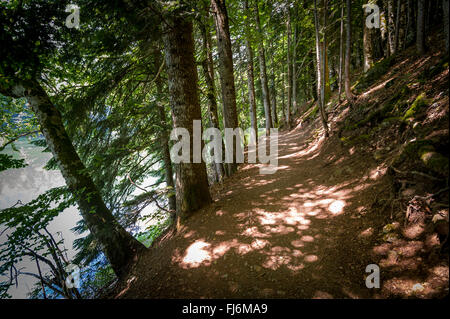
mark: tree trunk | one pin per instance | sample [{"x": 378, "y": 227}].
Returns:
[
  {"x": 320, "y": 80},
  {"x": 341, "y": 51},
  {"x": 164, "y": 136},
  {"x": 408, "y": 23},
  {"x": 294, "y": 69},
  {"x": 251, "y": 88},
  {"x": 326, "y": 69},
  {"x": 226, "y": 73},
  {"x": 263, "y": 72},
  {"x": 273, "y": 93},
  {"x": 192, "y": 191},
  {"x": 391, "y": 26},
  {"x": 367, "y": 45},
  {"x": 420, "y": 34},
  {"x": 400, "y": 35},
  {"x": 208, "y": 72},
  {"x": 118, "y": 245},
  {"x": 446, "y": 24},
  {"x": 348, "y": 43},
  {"x": 289, "y": 70},
  {"x": 250, "y": 76}
]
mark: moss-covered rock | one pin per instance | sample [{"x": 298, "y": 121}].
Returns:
[
  {"x": 436, "y": 162},
  {"x": 424, "y": 151},
  {"x": 418, "y": 105}
]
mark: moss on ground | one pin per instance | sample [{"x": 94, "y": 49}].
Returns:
[
  {"x": 419, "y": 104},
  {"x": 313, "y": 113},
  {"x": 424, "y": 151}
]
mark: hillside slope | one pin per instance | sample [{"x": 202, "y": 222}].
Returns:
[{"x": 375, "y": 192}]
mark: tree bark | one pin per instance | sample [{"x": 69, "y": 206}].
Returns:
[
  {"x": 273, "y": 93},
  {"x": 367, "y": 45},
  {"x": 348, "y": 43},
  {"x": 289, "y": 70},
  {"x": 320, "y": 78},
  {"x": 208, "y": 72},
  {"x": 294, "y": 69},
  {"x": 164, "y": 136},
  {"x": 446, "y": 23},
  {"x": 341, "y": 51},
  {"x": 263, "y": 72},
  {"x": 226, "y": 72},
  {"x": 391, "y": 26},
  {"x": 250, "y": 76},
  {"x": 192, "y": 191},
  {"x": 420, "y": 33},
  {"x": 118, "y": 245},
  {"x": 326, "y": 69}
]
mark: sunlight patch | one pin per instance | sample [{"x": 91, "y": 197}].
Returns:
[
  {"x": 196, "y": 254},
  {"x": 337, "y": 207}
]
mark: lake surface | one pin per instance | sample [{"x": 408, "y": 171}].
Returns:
[{"x": 25, "y": 184}]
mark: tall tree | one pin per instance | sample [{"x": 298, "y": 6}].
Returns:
[
  {"x": 341, "y": 50},
  {"x": 164, "y": 135},
  {"x": 289, "y": 67},
  {"x": 420, "y": 33},
  {"x": 118, "y": 245},
  {"x": 294, "y": 64},
  {"x": 390, "y": 26},
  {"x": 445, "y": 8},
  {"x": 348, "y": 51},
  {"x": 192, "y": 191},
  {"x": 208, "y": 72},
  {"x": 250, "y": 75},
  {"x": 226, "y": 71},
  {"x": 320, "y": 76},
  {"x": 367, "y": 45},
  {"x": 263, "y": 71},
  {"x": 273, "y": 92}
]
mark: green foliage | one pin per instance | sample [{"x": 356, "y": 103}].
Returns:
[
  {"x": 147, "y": 237},
  {"x": 7, "y": 161},
  {"x": 25, "y": 226}
]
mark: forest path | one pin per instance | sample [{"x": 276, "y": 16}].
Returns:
[{"x": 298, "y": 233}]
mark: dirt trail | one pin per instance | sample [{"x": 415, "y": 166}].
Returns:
[
  {"x": 298, "y": 233},
  {"x": 310, "y": 229}
]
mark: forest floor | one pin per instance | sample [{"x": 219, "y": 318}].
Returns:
[{"x": 310, "y": 229}]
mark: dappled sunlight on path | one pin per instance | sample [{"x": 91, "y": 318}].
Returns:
[{"x": 290, "y": 234}]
